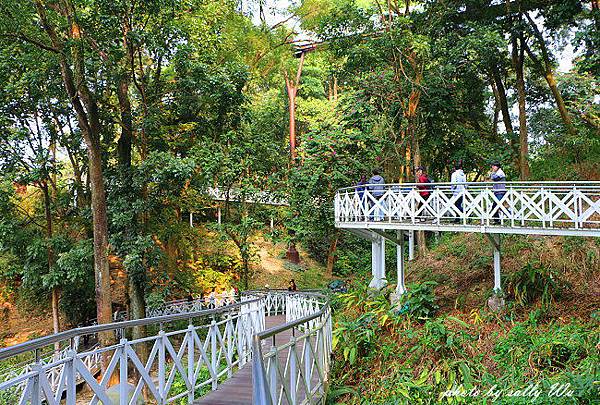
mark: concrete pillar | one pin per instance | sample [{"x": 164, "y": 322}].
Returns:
[
  {"x": 272, "y": 223},
  {"x": 411, "y": 245},
  {"x": 191, "y": 219},
  {"x": 219, "y": 215},
  {"x": 378, "y": 263},
  {"x": 496, "y": 245},
  {"x": 400, "y": 288}
]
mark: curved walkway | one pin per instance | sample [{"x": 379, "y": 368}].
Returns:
[{"x": 238, "y": 389}]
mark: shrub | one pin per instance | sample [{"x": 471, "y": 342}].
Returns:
[
  {"x": 419, "y": 301},
  {"x": 533, "y": 282}
]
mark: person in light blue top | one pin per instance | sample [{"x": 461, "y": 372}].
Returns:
[{"x": 458, "y": 179}]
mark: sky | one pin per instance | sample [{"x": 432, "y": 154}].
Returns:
[{"x": 277, "y": 11}]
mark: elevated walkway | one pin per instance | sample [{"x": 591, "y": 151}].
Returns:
[
  {"x": 272, "y": 347},
  {"x": 493, "y": 209}
]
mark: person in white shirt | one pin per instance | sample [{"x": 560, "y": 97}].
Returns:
[{"x": 458, "y": 179}]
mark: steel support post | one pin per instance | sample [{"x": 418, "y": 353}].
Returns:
[
  {"x": 497, "y": 284},
  {"x": 495, "y": 240},
  {"x": 400, "y": 287},
  {"x": 378, "y": 263},
  {"x": 411, "y": 245}
]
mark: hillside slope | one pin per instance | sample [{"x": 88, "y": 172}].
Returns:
[{"x": 444, "y": 344}]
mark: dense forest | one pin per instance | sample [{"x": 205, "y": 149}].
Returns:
[{"x": 118, "y": 116}]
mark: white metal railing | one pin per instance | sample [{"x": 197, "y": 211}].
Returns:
[
  {"x": 295, "y": 368},
  {"x": 257, "y": 197},
  {"x": 551, "y": 207},
  {"x": 192, "y": 305},
  {"x": 202, "y": 354},
  {"x": 183, "y": 362}
]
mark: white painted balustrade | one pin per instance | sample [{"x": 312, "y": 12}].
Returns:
[
  {"x": 188, "y": 354},
  {"x": 546, "y": 208},
  {"x": 291, "y": 362}
]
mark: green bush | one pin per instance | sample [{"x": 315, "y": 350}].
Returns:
[
  {"x": 419, "y": 301},
  {"x": 533, "y": 282}
]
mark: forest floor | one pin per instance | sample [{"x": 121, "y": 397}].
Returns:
[
  {"x": 20, "y": 326},
  {"x": 274, "y": 270}
]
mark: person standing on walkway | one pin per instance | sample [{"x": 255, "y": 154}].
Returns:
[
  {"x": 377, "y": 189},
  {"x": 499, "y": 188},
  {"x": 458, "y": 179}
]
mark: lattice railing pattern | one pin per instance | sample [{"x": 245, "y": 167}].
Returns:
[
  {"x": 193, "y": 305},
  {"x": 294, "y": 369},
  {"x": 549, "y": 206},
  {"x": 186, "y": 356},
  {"x": 182, "y": 363}
]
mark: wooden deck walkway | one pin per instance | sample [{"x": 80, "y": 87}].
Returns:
[{"x": 238, "y": 389}]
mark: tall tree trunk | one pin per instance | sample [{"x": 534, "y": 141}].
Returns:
[
  {"x": 517, "y": 59},
  {"x": 88, "y": 120},
  {"x": 292, "y": 91}
]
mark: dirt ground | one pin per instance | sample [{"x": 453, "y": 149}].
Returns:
[{"x": 17, "y": 327}]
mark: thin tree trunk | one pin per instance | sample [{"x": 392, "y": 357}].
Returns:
[
  {"x": 331, "y": 254},
  {"x": 292, "y": 90},
  {"x": 548, "y": 72},
  {"x": 517, "y": 58}
]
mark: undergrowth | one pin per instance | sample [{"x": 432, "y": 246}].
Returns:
[{"x": 543, "y": 348}]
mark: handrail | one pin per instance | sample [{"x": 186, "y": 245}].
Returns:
[
  {"x": 591, "y": 184},
  {"x": 88, "y": 330},
  {"x": 267, "y": 333},
  {"x": 548, "y": 208},
  {"x": 225, "y": 346}
]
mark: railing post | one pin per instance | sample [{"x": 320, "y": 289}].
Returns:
[
  {"x": 35, "y": 389},
  {"x": 293, "y": 370},
  {"x": 259, "y": 380},
  {"x": 228, "y": 339},
  {"x": 274, "y": 363},
  {"x": 241, "y": 336},
  {"x": 123, "y": 385},
  {"x": 400, "y": 287},
  {"x": 161, "y": 365},
  {"x": 307, "y": 365},
  {"x": 191, "y": 369},
  {"x": 70, "y": 375},
  {"x": 213, "y": 353}
]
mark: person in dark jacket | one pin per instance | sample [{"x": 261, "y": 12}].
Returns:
[{"x": 377, "y": 189}]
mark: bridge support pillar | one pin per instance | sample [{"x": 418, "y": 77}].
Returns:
[
  {"x": 411, "y": 246},
  {"x": 400, "y": 287},
  {"x": 495, "y": 240},
  {"x": 219, "y": 215},
  {"x": 378, "y": 262},
  {"x": 497, "y": 283}
]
